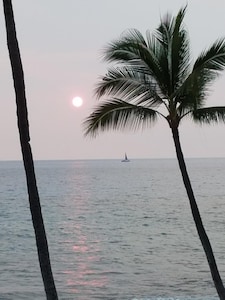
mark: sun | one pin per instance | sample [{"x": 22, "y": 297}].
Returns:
[{"x": 77, "y": 101}]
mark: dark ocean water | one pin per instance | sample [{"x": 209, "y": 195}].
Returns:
[{"x": 115, "y": 230}]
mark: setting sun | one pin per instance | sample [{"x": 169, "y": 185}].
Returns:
[{"x": 77, "y": 101}]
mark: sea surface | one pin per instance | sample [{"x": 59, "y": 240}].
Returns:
[{"x": 120, "y": 231}]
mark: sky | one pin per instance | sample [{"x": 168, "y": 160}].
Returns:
[{"x": 60, "y": 43}]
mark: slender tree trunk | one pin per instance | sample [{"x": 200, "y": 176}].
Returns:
[
  {"x": 23, "y": 126},
  {"x": 197, "y": 218}
]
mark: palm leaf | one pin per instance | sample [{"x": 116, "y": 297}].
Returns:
[
  {"x": 162, "y": 35},
  {"x": 192, "y": 94},
  {"x": 209, "y": 114},
  {"x": 130, "y": 47},
  {"x": 196, "y": 87},
  {"x": 133, "y": 51},
  {"x": 212, "y": 59},
  {"x": 118, "y": 114},
  {"x": 131, "y": 85},
  {"x": 173, "y": 54},
  {"x": 180, "y": 53}
]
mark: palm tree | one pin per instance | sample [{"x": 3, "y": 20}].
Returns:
[
  {"x": 23, "y": 126},
  {"x": 155, "y": 75}
]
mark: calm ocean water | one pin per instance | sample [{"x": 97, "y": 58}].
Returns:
[{"x": 115, "y": 230}]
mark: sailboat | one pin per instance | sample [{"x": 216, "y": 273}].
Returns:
[{"x": 125, "y": 158}]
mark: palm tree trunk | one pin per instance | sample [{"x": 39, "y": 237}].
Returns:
[
  {"x": 23, "y": 126},
  {"x": 197, "y": 218}
]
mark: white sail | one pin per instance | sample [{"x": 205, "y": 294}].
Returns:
[{"x": 125, "y": 158}]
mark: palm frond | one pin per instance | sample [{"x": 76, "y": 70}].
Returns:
[
  {"x": 130, "y": 46},
  {"x": 162, "y": 37},
  {"x": 118, "y": 114},
  {"x": 173, "y": 51},
  {"x": 196, "y": 87},
  {"x": 169, "y": 26},
  {"x": 212, "y": 59},
  {"x": 180, "y": 53},
  {"x": 163, "y": 31},
  {"x": 193, "y": 92},
  {"x": 208, "y": 115},
  {"x": 133, "y": 51},
  {"x": 130, "y": 84}
]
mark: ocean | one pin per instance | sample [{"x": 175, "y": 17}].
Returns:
[{"x": 115, "y": 230}]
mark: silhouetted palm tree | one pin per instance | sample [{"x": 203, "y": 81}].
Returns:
[
  {"x": 155, "y": 73},
  {"x": 35, "y": 207}
]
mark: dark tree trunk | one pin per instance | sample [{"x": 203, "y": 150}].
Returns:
[
  {"x": 197, "y": 218},
  {"x": 35, "y": 207}
]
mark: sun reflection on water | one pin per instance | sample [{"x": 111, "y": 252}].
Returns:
[
  {"x": 84, "y": 259},
  {"x": 83, "y": 269}
]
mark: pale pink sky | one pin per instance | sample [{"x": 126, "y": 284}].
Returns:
[{"x": 60, "y": 43}]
